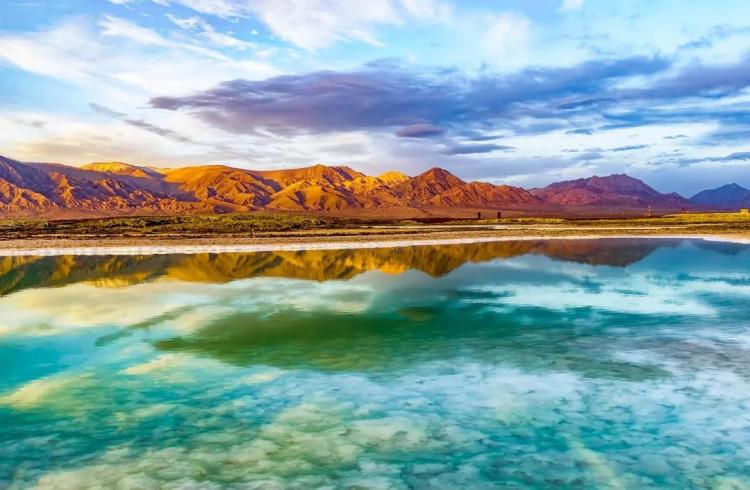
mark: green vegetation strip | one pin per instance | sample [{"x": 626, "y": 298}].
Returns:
[{"x": 290, "y": 225}]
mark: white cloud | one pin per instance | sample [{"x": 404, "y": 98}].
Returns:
[
  {"x": 207, "y": 31},
  {"x": 571, "y": 5},
  {"x": 122, "y": 54},
  {"x": 65, "y": 52},
  {"x": 325, "y": 21},
  {"x": 428, "y": 9},
  {"x": 220, "y": 8},
  {"x": 506, "y": 37},
  {"x": 116, "y": 27},
  {"x": 188, "y": 23},
  {"x": 316, "y": 24},
  {"x": 120, "y": 65}
]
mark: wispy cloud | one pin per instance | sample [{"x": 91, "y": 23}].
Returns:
[
  {"x": 205, "y": 30},
  {"x": 477, "y": 148},
  {"x": 118, "y": 51},
  {"x": 316, "y": 24},
  {"x": 420, "y": 130},
  {"x": 629, "y": 148},
  {"x": 139, "y": 123},
  {"x": 568, "y": 5}
]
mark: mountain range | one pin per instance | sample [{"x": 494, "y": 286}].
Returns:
[{"x": 111, "y": 189}]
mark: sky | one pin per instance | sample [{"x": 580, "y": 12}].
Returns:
[{"x": 520, "y": 92}]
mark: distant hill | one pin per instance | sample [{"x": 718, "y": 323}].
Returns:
[
  {"x": 615, "y": 191},
  {"x": 115, "y": 188},
  {"x": 730, "y": 196}
]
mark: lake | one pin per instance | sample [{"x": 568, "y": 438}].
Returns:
[{"x": 613, "y": 363}]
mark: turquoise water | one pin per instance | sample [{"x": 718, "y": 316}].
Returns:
[{"x": 566, "y": 364}]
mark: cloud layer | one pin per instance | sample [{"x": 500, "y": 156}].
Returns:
[{"x": 386, "y": 95}]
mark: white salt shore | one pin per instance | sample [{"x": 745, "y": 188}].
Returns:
[{"x": 337, "y": 245}]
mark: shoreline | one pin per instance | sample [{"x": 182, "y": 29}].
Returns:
[{"x": 100, "y": 247}]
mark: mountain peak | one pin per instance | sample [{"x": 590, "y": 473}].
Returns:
[
  {"x": 614, "y": 177},
  {"x": 314, "y": 174},
  {"x": 619, "y": 182},
  {"x": 728, "y": 196},
  {"x": 393, "y": 177},
  {"x": 427, "y": 185},
  {"x": 436, "y": 171},
  {"x": 613, "y": 190},
  {"x": 119, "y": 168},
  {"x": 440, "y": 175}
]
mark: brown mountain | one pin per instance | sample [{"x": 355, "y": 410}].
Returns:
[
  {"x": 47, "y": 189},
  {"x": 440, "y": 188},
  {"x": 485, "y": 195},
  {"x": 427, "y": 186},
  {"x": 614, "y": 191},
  {"x": 114, "y": 188}
]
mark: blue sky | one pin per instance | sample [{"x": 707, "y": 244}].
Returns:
[{"x": 523, "y": 92}]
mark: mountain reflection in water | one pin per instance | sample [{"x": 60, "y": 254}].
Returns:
[
  {"x": 484, "y": 312},
  {"x": 17, "y": 273}
]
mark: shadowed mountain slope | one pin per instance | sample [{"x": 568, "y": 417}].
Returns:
[{"x": 730, "y": 196}]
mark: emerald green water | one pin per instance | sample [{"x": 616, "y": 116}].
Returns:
[{"x": 565, "y": 364}]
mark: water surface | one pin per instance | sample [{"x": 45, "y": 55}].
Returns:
[{"x": 572, "y": 364}]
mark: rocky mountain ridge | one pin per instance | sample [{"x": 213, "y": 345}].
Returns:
[{"x": 115, "y": 188}]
